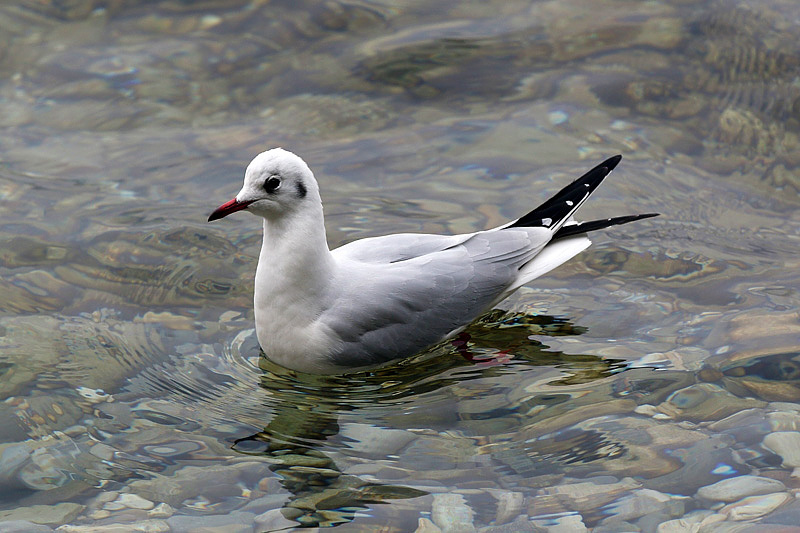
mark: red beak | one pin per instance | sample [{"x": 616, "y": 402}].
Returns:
[{"x": 227, "y": 208}]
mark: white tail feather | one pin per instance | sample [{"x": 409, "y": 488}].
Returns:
[{"x": 554, "y": 255}]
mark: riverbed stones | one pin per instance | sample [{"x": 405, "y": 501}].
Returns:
[
  {"x": 509, "y": 505},
  {"x": 424, "y": 525},
  {"x": 235, "y": 522},
  {"x": 754, "y": 507},
  {"x": 44, "y": 514},
  {"x": 23, "y": 526},
  {"x": 747, "y": 426},
  {"x": 571, "y": 523},
  {"x": 452, "y": 514},
  {"x": 129, "y": 501},
  {"x": 193, "y": 481},
  {"x": 689, "y": 523},
  {"x": 162, "y": 510},
  {"x": 736, "y": 488},
  {"x": 144, "y": 526},
  {"x": 376, "y": 441},
  {"x": 642, "y": 502},
  {"x": 273, "y": 520},
  {"x": 784, "y": 419},
  {"x": 588, "y": 494},
  {"x": 521, "y": 524},
  {"x": 786, "y": 444},
  {"x": 705, "y": 401}
]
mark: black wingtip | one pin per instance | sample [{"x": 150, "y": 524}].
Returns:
[
  {"x": 594, "y": 225},
  {"x": 560, "y": 206},
  {"x": 612, "y": 162}
]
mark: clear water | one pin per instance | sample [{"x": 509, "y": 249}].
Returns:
[{"x": 656, "y": 363}]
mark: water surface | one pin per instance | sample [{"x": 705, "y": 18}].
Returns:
[{"x": 611, "y": 394}]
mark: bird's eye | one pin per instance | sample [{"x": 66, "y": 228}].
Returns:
[{"x": 272, "y": 184}]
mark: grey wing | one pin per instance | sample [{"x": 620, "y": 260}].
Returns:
[
  {"x": 396, "y": 309},
  {"x": 396, "y": 247}
]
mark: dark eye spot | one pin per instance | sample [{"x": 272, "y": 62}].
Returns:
[
  {"x": 301, "y": 189},
  {"x": 272, "y": 184}
]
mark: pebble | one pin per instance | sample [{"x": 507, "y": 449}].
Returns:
[
  {"x": 784, "y": 420},
  {"x": 23, "y": 526},
  {"x": 788, "y": 515},
  {"x": 376, "y": 441},
  {"x": 509, "y": 506},
  {"x": 129, "y": 501},
  {"x": 736, "y": 488},
  {"x": 522, "y": 524},
  {"x": 273, "y": 520},
  {"x": 266, "y": 503},
  {"x": 784, "y": 407},
  {"x": 699, "y": 459},
  {"x": 235, "y": 522},
  {"x": 711, "y": 519},
  {"x": 102, "y": 451},
  {"x": 705, "y": 401},
  {"x": 426, "y": 526},
  {"x": 686, "y": 524},
  {"x": 145, "y": 526},
  {"x": 452, "y": 514},
  {"x": 44, "y": 514},
  {"x": 193, "y": 481},
  {"x": 638, "y": 503},
  {"x": 572, "y": 523},
  {"x": 162, "y": 510},
  {"x": 786, "y": 444},
  {"x": 13, "y": 456},
  {"x": 646, "y": 410},
  {"x": 588, "y": 495},
  {"x": 754, "y": 507},
  {"x": 747, "y": 426}
]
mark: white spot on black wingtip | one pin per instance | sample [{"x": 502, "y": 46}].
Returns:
[
  {"x": 570, "y": 203},
  {"x": 547, "y": 221},
  {"x": 586, "y": 185}
]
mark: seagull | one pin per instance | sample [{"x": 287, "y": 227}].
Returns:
[{"x": 378, "y": 299}]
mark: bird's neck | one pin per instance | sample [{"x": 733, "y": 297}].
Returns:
[{"x": 295, "y": 266}]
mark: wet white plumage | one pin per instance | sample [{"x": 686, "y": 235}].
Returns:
[{"x": 383, "y": 298}]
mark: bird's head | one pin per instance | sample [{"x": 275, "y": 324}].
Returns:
[{"x": 276, "y": 183}]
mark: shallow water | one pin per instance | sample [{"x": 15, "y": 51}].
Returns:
[{"x": 611, "y": 394}]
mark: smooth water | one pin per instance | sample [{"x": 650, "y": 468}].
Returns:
[{"x": 612, "y": 394}]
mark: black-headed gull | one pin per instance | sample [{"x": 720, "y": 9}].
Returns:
[{"x": 383, "y": 298}]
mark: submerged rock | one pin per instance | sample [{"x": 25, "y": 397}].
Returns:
[
  {"x": 451, "y": 513},
  {"x": 145, "y": 526},
  {"x": 23, "y": 526},
  {"x": 736, "y": 488},
  {"x": 44, "y": 514},
  {"x": 755, "y": 506},
  {"x": 786, "y": 444}
]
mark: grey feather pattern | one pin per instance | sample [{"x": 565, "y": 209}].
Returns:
[{"x": 414, "y": 290}]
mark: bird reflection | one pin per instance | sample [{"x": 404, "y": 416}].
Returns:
[
  {"x": 306, "y": 407},
  {"x": 322, "y": 495}
]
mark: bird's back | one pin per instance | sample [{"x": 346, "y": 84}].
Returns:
[{"x": 399, "y": 294}]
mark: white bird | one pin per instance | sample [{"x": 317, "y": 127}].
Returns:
[{"x": 382, "y": 298}]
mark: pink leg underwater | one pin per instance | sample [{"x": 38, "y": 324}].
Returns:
[{"x": 461, "y": 344}]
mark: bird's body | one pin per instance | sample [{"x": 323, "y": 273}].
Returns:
[{"x": 384, "y": 298}]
